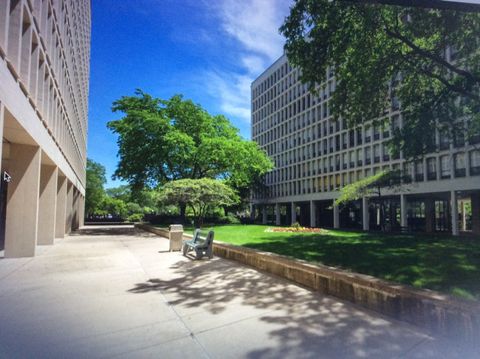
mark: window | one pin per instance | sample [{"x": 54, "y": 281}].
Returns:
[
  {"x": 444, "y": 141},
  {"x": 396, "y": 123},
  {"x": 419, "y": 171},
  {"x": 376, "y": 153},
  {"x": 460, "y": 170},
  {"x": 408, "y": 171},
  {"x": 359, "y": 157},
  {"x": 431, "y": 169},
  {"x": 444, "y": 167},
  {"x": 376, "y": 133},
  {"x": 368, "y": 134},
  {"x": 367, "y": 155},
  {"x": 475, "y": 162},
  {"x": 386, "y": 153}
]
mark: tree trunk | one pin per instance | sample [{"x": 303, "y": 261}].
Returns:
[
  {"x": 183, "y": 209},
  {"x": 199, "y": 222}
]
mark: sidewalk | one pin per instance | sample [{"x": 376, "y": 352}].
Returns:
[{"x": 117, "y": 292}]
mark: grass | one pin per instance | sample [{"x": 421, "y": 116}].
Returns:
[{"x": 443, "y": 263}]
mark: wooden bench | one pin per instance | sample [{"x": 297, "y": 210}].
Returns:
[{"x": 200, "y": 243}]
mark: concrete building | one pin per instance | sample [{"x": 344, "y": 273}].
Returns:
[
  {"x": 44, "y": 74},
  {"x": 316, "y": 156}
]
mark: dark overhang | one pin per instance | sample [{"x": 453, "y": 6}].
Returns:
[{"x": 465, "y": 5}]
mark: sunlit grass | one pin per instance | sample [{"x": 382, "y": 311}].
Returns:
[{"x": 438, "y": 262}]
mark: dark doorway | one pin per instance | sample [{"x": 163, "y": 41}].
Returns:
[
  {"x": 324, "y": 214},
  {"x": 3, "y": 207}
]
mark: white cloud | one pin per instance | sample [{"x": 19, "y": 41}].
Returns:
[
  {"x": 253, "y": 64},
  {"x": 229, "y": 88},
  {"x": 253, "y": 24}
]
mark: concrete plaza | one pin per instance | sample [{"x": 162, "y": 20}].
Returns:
[{"x": 116, "y": 292}]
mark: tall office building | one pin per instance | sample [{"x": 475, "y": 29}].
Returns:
[
  {"x": 44, "y": 75},
  {"x": 316, "y": 156}
]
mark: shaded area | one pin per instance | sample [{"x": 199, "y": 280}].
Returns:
[
  {"x": 109, "y": 230},
  {"x": 287, "y": 321},
  {"x": 442, "y": 263}
]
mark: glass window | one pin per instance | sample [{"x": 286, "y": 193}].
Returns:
[
  {"x": 419, "y": 171},
  {"x": 431, "y": 168},
  {"x": 460, "y": 165},
  {"x": 475, "y": 162},
  {"x": 445, "y": 167}
]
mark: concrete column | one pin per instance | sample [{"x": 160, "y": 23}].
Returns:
[
  {"x": 429, "y": 215},
  {"x": 365, "y": 214},
  {"x": 454, "y": 211},
  {"x": 313, "y": 214},
  {"x": 68, "y": 210},
  {"x": 81, "y": 211},
  {"x": 475, "y": 198},
  {"x": 75, "y": 208},
  {"x": 336, "y": 216},
  {"x": 278, "y": 218},
  {"x": 264, "y": 215},
  {"x": 403, "y": 211},
  {"x": 47, "y": 204},
  {"x": 60, "y": 218},
  {"x": 22, "y": 201},
  {"x": 294, "y": 212}
]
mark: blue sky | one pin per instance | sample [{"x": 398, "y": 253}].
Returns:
[{"x": 209, "y": 51}]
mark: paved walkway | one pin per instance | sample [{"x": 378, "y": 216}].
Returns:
[{"x": 115, "y": 292}]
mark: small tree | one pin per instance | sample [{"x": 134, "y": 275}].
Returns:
[
  {"x": 198, "y": 194},
  {"x": 94, "y": 191},
  {"x": 372, "y": 186}
]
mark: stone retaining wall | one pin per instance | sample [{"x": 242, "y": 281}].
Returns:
[{"x": 436, "y": 312}]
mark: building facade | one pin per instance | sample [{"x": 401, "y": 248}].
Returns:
[
  {"x": 316, "y": 156},
  {"x": 44, "y": 78}
]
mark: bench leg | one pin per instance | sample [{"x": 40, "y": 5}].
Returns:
[
  {"x": 185, "y": 249},
  {"x": 198, "y": 254},
  {"x": 210, "y": 252}
]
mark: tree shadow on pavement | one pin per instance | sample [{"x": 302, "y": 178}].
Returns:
[{"x": 291, "y": 321}]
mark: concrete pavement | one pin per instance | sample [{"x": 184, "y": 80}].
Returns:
[{"x": 116, "y": 292}]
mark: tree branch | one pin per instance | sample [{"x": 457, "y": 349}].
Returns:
[
  {"x": 447, "y": 84},
  {"x": 431, "y": 56}
]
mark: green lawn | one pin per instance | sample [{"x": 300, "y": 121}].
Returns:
[{"x": 443, "y": 263}]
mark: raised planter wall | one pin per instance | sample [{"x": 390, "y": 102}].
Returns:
[{"x": 436, "y": 312}]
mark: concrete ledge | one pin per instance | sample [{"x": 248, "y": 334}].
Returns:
[
  {"x": 108, "y": 223},
  {"x": 436, "y": 312},
  {"x": 149, "y": 228}
]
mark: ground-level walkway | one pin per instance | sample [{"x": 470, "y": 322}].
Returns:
[{"x": 116, "y": 292}]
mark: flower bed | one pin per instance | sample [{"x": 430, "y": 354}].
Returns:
[{"x": 296, "y": 230}]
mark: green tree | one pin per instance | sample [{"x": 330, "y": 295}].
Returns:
[
  {"x": 384, "y": 53},
  {"x": 372, "y": 186},
  {"x": 199, "y": 194},
  {"x": 94, "y": 192},
  {"x": 115, "y": 207},
  {"x": 122, "y": 192},
  {"x": 166, "y": 140}
]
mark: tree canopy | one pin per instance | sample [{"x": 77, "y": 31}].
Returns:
[
  {"x": 428, "y": 60},
  {"x": 94, "y": 192},
  {"x": 199, "y": 194},
  {"x": 164, "y": 140},
  {"x": 371, "y": 186}
]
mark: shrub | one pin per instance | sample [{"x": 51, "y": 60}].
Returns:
[{"x": 135, "y": 217}]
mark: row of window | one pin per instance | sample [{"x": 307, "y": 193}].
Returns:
[
  {"x": 50, "y": 59},
  {"x": 287, "y": 182}
]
